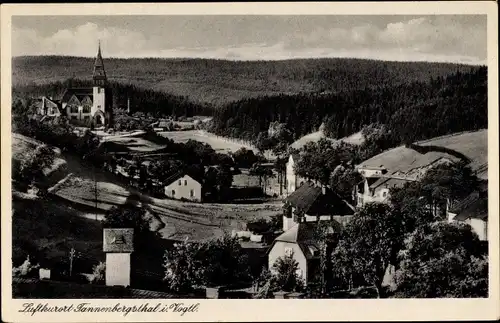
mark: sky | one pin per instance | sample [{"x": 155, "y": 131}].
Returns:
[{"x": 439, "y": 38}]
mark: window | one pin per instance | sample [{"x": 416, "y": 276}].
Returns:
[
  {"x": 73, "y": 109},
  {"x": 173, "y": 192},
  {"x": 191, "y": 193},
  {"x": 185, "y": 182},
  {"x": 180, "y": 182},
  {"x": 384, "y": 193},
  {"x": 288, "y": 251},
  {"x": 86, "y": 109}
]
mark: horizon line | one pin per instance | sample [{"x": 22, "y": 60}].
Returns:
[{"x": 478, "y": 64}]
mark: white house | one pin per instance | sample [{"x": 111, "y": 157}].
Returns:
[
  {"x": 304, "y": 208},
  {"x": 182, "y": 186}
]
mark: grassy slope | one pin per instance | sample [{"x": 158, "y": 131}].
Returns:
[
  {"x": 46, "y": 230},
  {"x": 218, "y": 81}
]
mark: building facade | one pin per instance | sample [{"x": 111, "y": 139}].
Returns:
[
  {"x": 89, "y": 106},
  {"x": 303, "y": 209},
  {"x": 182, "y": 186}
]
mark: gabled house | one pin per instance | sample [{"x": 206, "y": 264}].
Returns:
[
  {"x": 303, "y": 209},
  {"x": 50, "y": 107},
  {"x": 180, "y": 185},
  {"x": 313, "y": 203},
  {"x": 472, "y": 210},
  {"x": 403, "y": 164}
]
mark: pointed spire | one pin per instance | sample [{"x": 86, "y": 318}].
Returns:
[{"x": 99, "y": 74}]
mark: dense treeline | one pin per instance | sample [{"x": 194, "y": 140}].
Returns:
[
  {"x": 144, "y": 100},
  {"x": 410, "y": 111},
  {"x": 221, "y": 81}
]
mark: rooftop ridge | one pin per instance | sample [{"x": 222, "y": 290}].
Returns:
[{"x": 447, "y": 136}]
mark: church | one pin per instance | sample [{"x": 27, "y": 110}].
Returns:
[{"x": 90, "y": 106}]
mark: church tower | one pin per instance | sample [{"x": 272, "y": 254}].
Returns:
[
  {"x": 99, "y": 74},
  {"x": 101, "y": 106}
]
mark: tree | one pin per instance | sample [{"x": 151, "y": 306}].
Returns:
[
  {"x": 244, "y": 158},
  {"x": 129, "y": 216},
  {"x": 182, "y": 267},
  {"x": 444, "y": 182},
  {"x": 217, "y": 180},
  {"x": 449, "y": 181},
  {"x": 442, "y": 260},
  {"x": 327, "y": 234},
  {"x": 286, "y": 277},
  {"x": 344, "y": 178},
  {"x": 213, "y": 263},
  {"x": 371, "y": 241},
  {"x": 263, "y": 173},
  {"x": 223, "y": 262},
  {"x": 33, "y": 165}
]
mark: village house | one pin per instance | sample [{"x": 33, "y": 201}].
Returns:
[
  {"x": 472, "y": 210},
  {"x": 403, "y": 164},
  {"x": 92, "y": 105},
  {"x": 303, "y": 209},
  {"x": 183, "y": 186}
]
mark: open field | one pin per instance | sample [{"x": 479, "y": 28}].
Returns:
[
  {"x": 219, "y": 144},
  {"x": 135, "y": 143},
  {"x": 355, "y": 139},
  {"x": 175, "y": 218}
]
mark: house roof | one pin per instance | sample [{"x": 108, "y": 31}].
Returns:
[
  {"x": 388, "y": 182},
  {"x": 473, "y": 206},
  {"x": 304, "y": 235},
  {"x": 311, "y": 200},
  {"x": 401, "y": 160},
  {"x": 178, "y": 174}
]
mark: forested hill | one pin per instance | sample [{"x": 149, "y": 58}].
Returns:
[
  {"x": 148, "y": 101},
  {"x": 220, "y": 81},
  {"x": 410, "y": 111}
]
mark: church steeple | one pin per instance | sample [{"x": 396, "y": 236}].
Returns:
[{"x": 99, "y": 74}]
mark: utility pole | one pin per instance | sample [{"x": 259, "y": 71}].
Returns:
[{"x": 71, "y": 257}]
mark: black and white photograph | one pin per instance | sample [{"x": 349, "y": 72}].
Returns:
[{"x": 326, "y": 156}]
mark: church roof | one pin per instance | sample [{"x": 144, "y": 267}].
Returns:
[
  {"x": 99, "y": 72},
  {"x": 80, "y": 93}
]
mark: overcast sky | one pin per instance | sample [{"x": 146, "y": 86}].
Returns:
[{"x": 401, "y": 38}]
